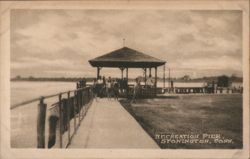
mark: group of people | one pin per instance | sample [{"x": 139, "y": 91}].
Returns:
[
  {"x": 114, "y": 87},
  {"x": 108, "y": 87}
]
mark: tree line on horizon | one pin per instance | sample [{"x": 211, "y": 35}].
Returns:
[{"x": 185, "y": 78}]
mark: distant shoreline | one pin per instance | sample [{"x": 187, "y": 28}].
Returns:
[
  {"x": 38, "y": 81},
  {"x": 33, "y": 79},
  {"x": 90, "y": 79}
]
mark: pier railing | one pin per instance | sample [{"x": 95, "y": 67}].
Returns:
[{"x": 63, "y": 115}]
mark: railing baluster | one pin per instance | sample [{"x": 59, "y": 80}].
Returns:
[
  {"x": 79, "y": 97},
  {"x": 87, "y": 98},
  {"x": 80, "y": 106},
  {"x": 68, "y": 116},
  {"x": 60, "y": 120},
  {"x": 83, "y": 103},
  {"x": 75, "y": 104}
]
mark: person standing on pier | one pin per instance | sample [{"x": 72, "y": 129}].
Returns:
[
  {"x": 104, "y": 92},
  {"x": 99, "y": 86},
  {"x": 150, "y": 82},
  {"x": 109, "y": 88},
  {"x": 116, "y": 89},
  {"x": 136, "y": 90},
  {"x": 95, "y": 89}
]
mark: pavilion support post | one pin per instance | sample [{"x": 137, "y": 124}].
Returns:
[
  {"x": 164, "y": 76},
  {"x": 122, "y": 73},
  {"x": 150, "y": 72},
  {"x": 122, "y": 69},
  {"x": 127, "y": 73},
  {"x": 155, "y": 80},
  {"x": 145, "y": 78},
  {"x": 98, "y": 72},
  {"x": 169, "y": 81}
]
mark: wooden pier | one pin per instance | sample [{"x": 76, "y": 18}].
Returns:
[
  {"x": 75, "y": 119},
  {"x": 108, "y": 125}
]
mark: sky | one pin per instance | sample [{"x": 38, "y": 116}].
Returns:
[{"x": 59, "y": 43}]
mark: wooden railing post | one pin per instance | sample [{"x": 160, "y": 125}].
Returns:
[
  {"x": 79, "y": 108},
  {"x": 74, "y": 107},
  {"x": 90, "y": 93},
  {"x": 83, "y": 103},
  {"x": 68, "y": 116},
  {"x": 60, "y": 120},
  {"x": 41, "y": 123},
  {"x": 79, "y": 101}
]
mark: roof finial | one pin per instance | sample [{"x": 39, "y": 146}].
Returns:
[{"x": 124, "y": 42}]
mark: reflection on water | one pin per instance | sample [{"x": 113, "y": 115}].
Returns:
[{"x": 24, "y": 118}]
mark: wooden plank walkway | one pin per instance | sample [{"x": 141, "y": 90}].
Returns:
[{"x": 108, "y": 125}]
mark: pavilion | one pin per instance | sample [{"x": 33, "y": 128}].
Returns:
[{"x": 126, "y": 58}]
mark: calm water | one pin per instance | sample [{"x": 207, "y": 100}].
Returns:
[
  {"x": 22, "y": 91},
  {"x": 23, "y": 119}
]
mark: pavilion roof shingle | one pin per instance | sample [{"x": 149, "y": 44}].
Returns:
[{"x": 126, "y": 57}]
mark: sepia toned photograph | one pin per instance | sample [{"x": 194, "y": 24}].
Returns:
[
  {"x": 126, "y": 79},
  {"x": 102, "y": 80}
]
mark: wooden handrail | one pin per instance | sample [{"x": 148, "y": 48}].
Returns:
[{"x": 44, "y": 97}]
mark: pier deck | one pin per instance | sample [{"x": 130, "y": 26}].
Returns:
[{"x": 108, "y": 125}]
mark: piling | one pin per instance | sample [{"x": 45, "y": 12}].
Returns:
[{"x": 41, "y": 124}]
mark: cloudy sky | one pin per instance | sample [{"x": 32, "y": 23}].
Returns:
[{"x": 56, "y": 43}]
